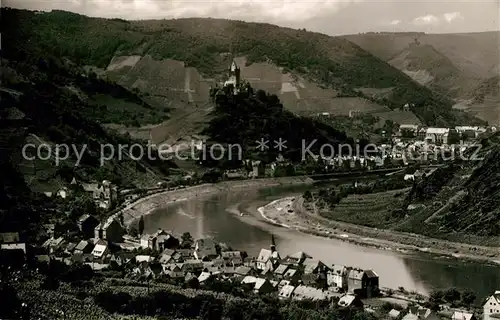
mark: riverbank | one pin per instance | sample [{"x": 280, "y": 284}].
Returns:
[
  {"x": 150, "y": 203},
  {"x": 290, "y": 213}
]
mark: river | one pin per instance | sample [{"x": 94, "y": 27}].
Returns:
[{"x": 216, "y": 216}]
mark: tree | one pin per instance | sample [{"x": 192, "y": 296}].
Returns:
[
  {"x": 451, "y": 295},
  {"x": 436, "y": 296},
  {"x": 141, "y": 225},
  {"x": 186, "y": 240},
  {"x": 468, "y": 297},
  {"x": 307, "y": 195}
]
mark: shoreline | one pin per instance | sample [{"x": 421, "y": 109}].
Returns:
[
  {"x": 146, "y": 205},
  {"x": 301, "y": 220}
]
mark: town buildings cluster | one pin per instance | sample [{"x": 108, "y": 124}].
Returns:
[{"x": 162, "y": 256}]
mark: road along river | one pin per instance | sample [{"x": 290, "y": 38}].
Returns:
[{"x": 219, "y": 216}]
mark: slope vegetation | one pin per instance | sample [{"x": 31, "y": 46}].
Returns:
[
  {"x": 50, "y": 103},
  {"x": 206, "y": 44},
  {"x": 461, "y": 199},
  {"x": 431, "y": 68}
]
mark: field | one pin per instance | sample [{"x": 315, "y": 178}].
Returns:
[{"x": 371, "y": 210}]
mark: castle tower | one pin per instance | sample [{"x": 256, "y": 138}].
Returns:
[{"x": 234, "y": 73}]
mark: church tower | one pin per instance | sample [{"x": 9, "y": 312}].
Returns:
[{"x": 273, "y": 244}]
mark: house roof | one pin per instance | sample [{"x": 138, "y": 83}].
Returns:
[
  {"x": 290, "y": 272},
  {"x": 249, "y": 279},
  {"x": 410, "y": 316},
  {"x": 264, "y": 255},
  {"x": 83, "y": 217},
  {"x": 346, "y": 300},
  {"x": 9, "y": 237},
  {"x": 99, "y": 250},
  {"x": 144, "y": 258},
  {"x": 13, "y": 246},
  {"x": 204, "y": 276},
  {"x": 496, "y": 296},
  {"x": 231, "y": 254},
  {"x": 169, "y": 252},
  {"x": 300, "y": 255},
  {"x": 437, "y": 130},
  {"x": 338, "y": 269},
  {"x": 243, "y": 270},
  {"x": 311, "y": 265},
  {"x": 259, "y": 283},
  {"x": 165, "y": 258},
  {"x": 306, "y": 292},
  {"x": 281, "y": 269},
  {"x": 394, "y": 313},
  {"x": 371, "y": 274},
  {"x": 356, "y": 274},
  {"x": 462, "y": 315},
  {"x": 286, "y": 291}
]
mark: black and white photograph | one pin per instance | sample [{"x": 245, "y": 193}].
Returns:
[{"x": 250, "y": 160}]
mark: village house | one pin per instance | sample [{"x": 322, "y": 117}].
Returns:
[
  {"x": 104, "y": 194},
  {"x": 268, "y": 259},
  {"x": 86, "y": 224},
  {"x": 337, "y": 277},
  {"x": 192, "y": 265},
  {"x": 296, "y": 258},
  {"x": 350, "y": 301},
  {"x": 491, "y": 308},
  {"x": 394, "y": 314},
  {"x": 232, "y": 258},
  {"x": 63, "y": 193},
  {"x": 159, "y": 241},
  {"x": 280, "y": 271},
  {"x": 12, "y": 249},
  {"x": 54, "y": 245},
  {"x": 293, "y": 275},
  {"x": 100, "y": 251},
  {"x": 363, "y": 282},
  {"x": 408, "y": 130},
  {"x": 286, "y": 292},
  {"x": 110, "y": 230},
  {"x": 205, "y": 276},
  {"x": 174, "y": 273},
  {"x": 122, "y": 258},
  {"x": 437, "y": 135},
  {"x": 313, "y": 266},
  {"x": 309, "y": 293},
  {"x": 205, "y": 249},
  {"x": 83, "y": 247},
  {"x": 463, "y": 315},
  {"x": 260, "y": 286},
  {"x": 424, "y": 313}
]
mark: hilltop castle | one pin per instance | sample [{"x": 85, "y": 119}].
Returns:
[{"x": 233, "y": 86}]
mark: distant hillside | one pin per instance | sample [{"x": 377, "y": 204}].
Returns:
[
  {"x": 485, "y": 100},
  {"x": 143, "y": 54},
  {"x": 51, "y": 103},
  {"x": 473, "y": 53},
  {"x": 431, "y": 68}
]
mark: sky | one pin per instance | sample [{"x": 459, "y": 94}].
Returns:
[{"x": 333, "y": 17}]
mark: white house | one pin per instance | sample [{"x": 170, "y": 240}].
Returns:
[
  {"x": 337, "y": 277},
  {"x": 436, "y": 135},
  {"x": 491, "y": 308},
  {"x": 462, "y": 315}
]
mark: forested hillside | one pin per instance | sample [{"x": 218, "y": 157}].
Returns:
[{"x": 205, "y": 43}]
